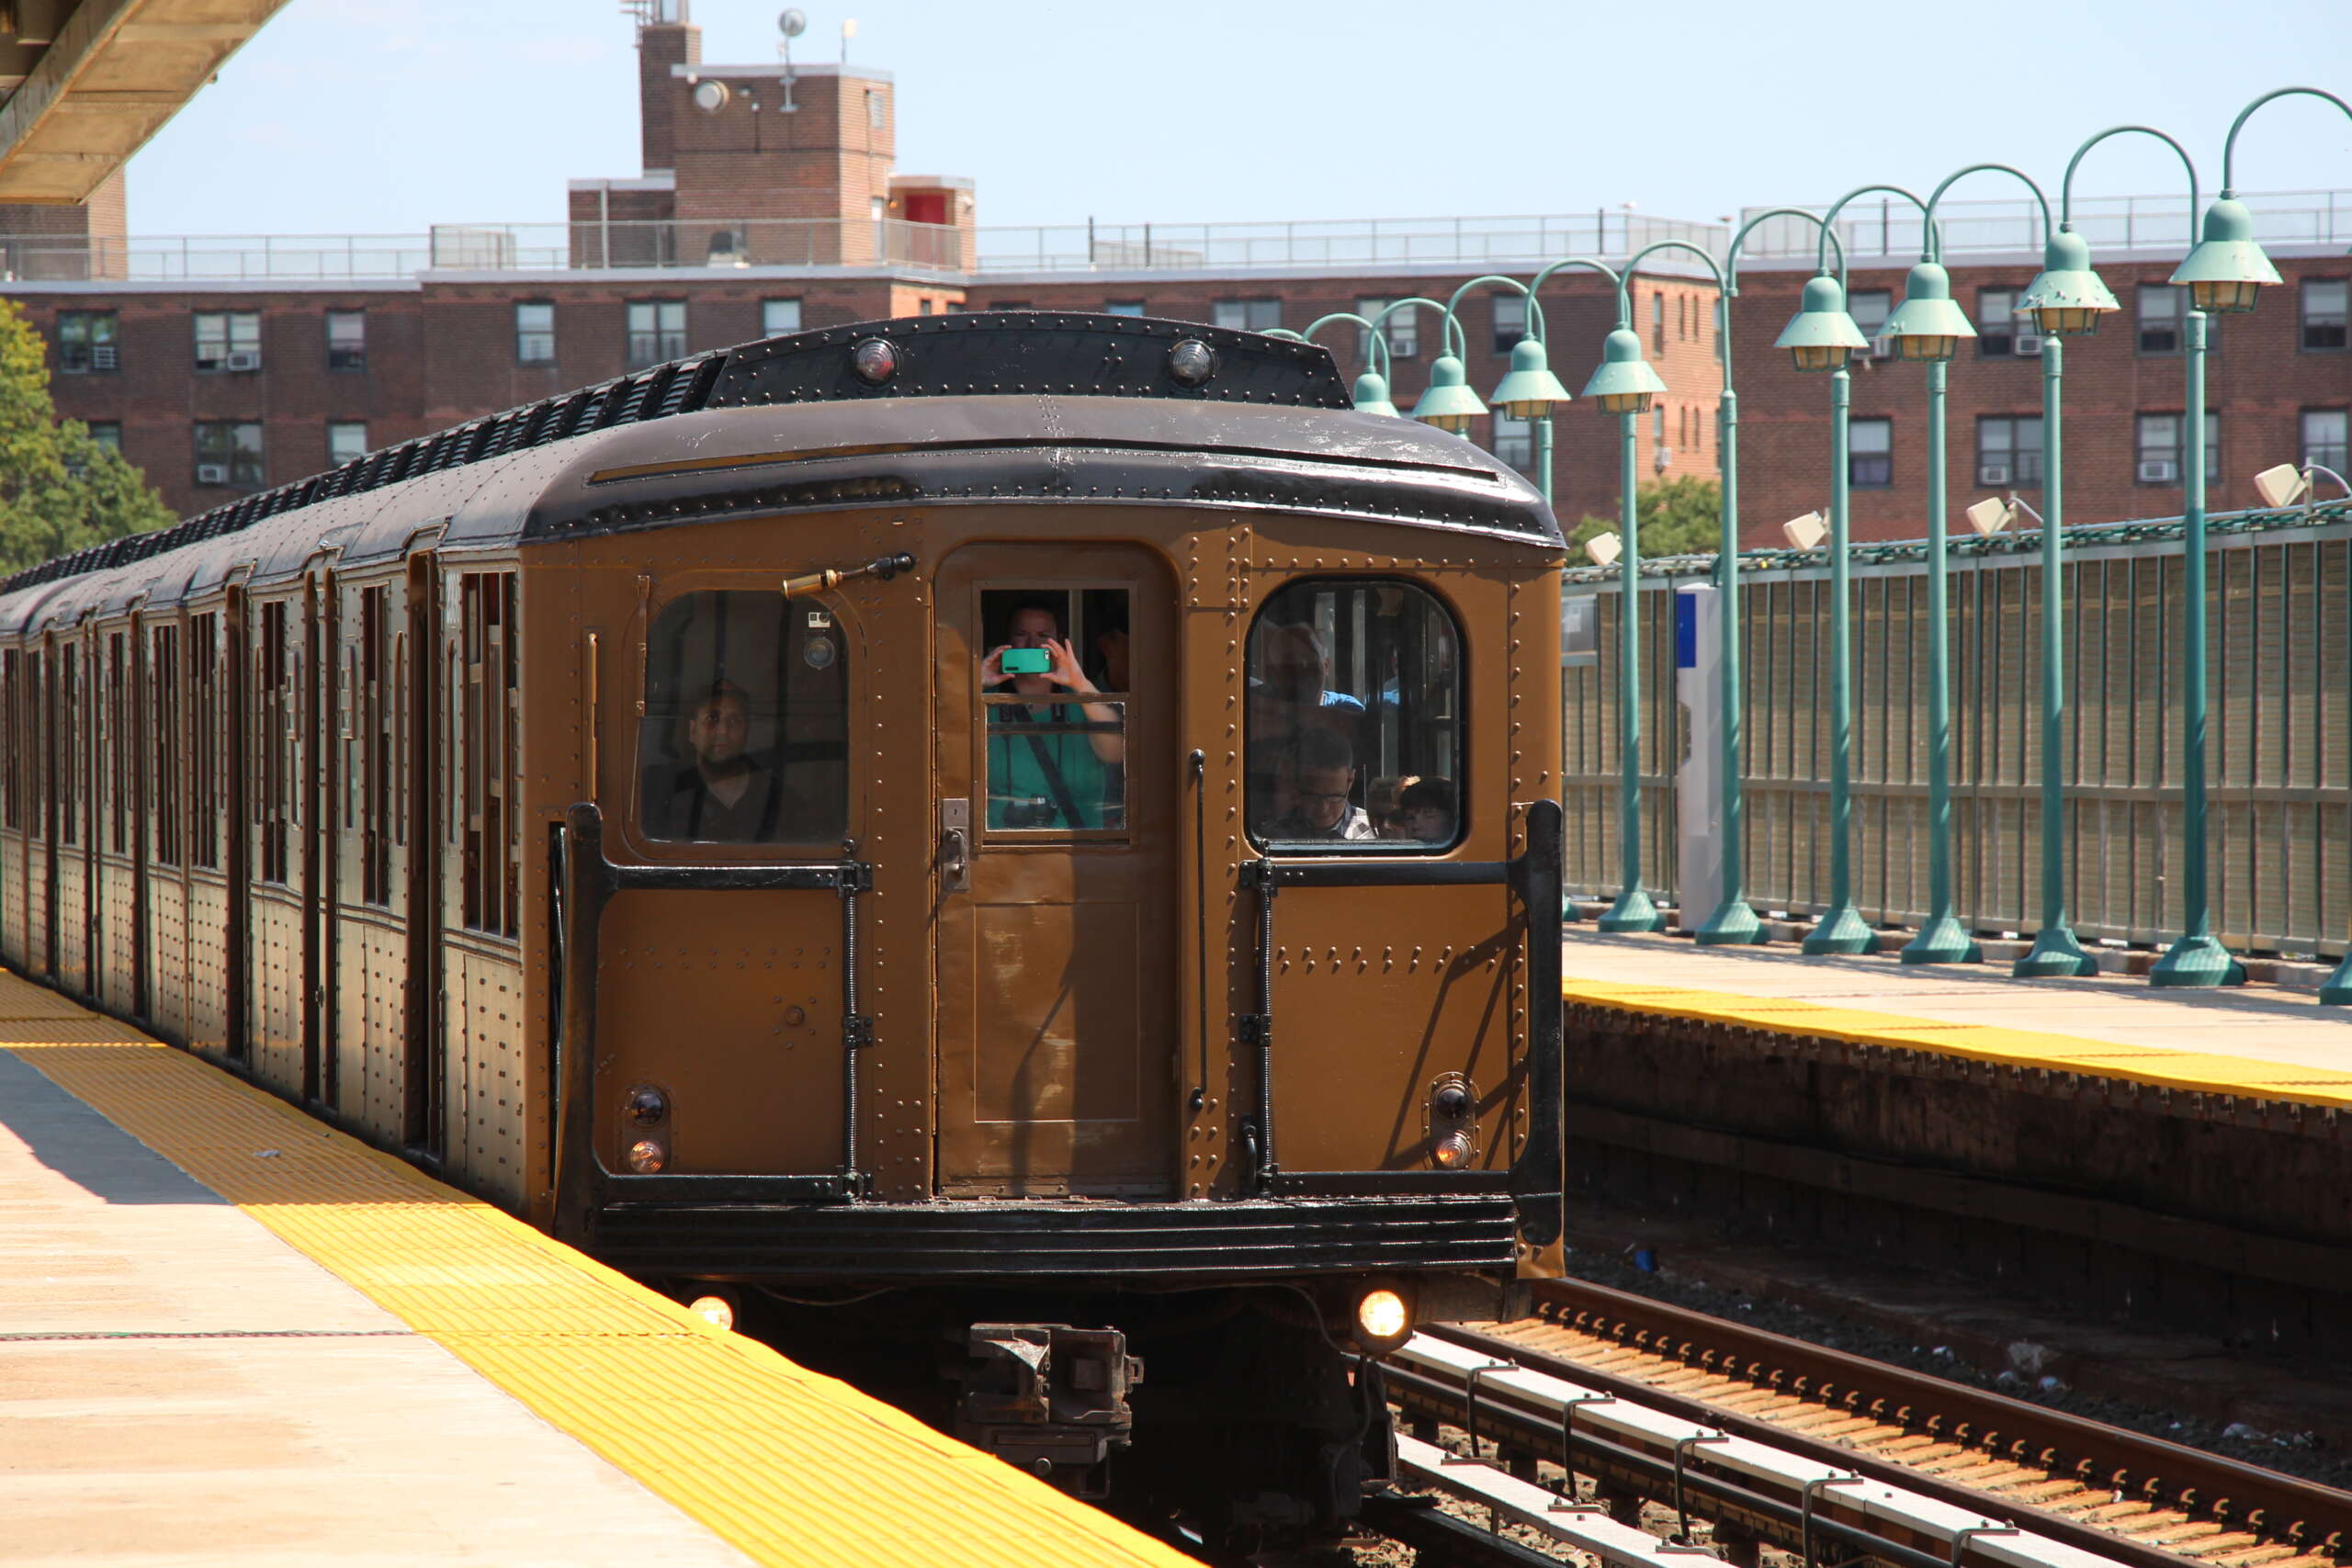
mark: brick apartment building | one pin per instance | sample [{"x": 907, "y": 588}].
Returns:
[{"x": 768, "y": 202}]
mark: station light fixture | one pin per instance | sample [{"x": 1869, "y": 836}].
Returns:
[
  {"x": 1371, "y": 395},
  {"x": 1604, "y": 549},
  {"x": 1382, "y": 1321},
  {"x": 1529, "y": 390},
  {"x": 1805, "y": 533},
  {"x": 1623, "y": 382},
  {"x": 1820, "y": 335},
  {"x": 1449, "y": 403},
  {"x": 1991, "y": 515},
  {"x": 1929, "y": 324},
  {"x": 2227, "y": 271},
  {"x": 2288, "y": 485},
  {"x": 2067, "y": 298}
]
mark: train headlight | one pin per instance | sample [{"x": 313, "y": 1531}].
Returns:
[
  {"x": 1451, "y": 1152},
  {"x": 647, "y": 1155},
  {"x": 876, "y": 360},
  {"x": 716, "y": 1309},
  {"x": 647, "y": 1105},
  {"x": 1191, "y": 361},
  {"x": 1382, "y": 1322}
]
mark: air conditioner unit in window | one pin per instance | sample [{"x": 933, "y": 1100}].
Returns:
[
  {"x": 249, "y": 359},
  {"x": 2029, "y": 344},
  {"x": 2159, "y": 471},
  {"x": 1992, "y": 473},
  {"x": 105, "y": 356},
  {"x": 212, "y": 473},
  {"x": 1882, "y": 347}
]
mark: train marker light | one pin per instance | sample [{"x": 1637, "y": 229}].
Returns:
[
  {"x": 1191, "y": 361},
  {"x": 876, "y": 360},
  {"x": 1453, "y": 1151},
  {"x": 647, "y": 1155},
  {"x": 1382, "y": 1322},
  {"x": 718, "y": 1311},
  {"x": 647, "y": 1106}
]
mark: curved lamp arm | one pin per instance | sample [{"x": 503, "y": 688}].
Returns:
[
  {"x": 2230, "y": 147},
  {"x": 1453, "y": 327},
  {"x": 2066, "y": 185},
  {"x": 1731, "y": 256},
  {"x": 1374, "y": 325},
  {"x": 1935, "y": 248},
  {"x": 1544, "y": 275},
  {"x": 1829, "y": 221},
  {"x": 1625, "y": 278}
]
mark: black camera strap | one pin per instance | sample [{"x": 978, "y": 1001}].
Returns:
[{"x": 1055, "y": 785}]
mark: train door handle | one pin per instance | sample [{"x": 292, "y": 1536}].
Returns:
[{"x": 955, "y": 846}]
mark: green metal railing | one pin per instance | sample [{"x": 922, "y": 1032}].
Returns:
[{"x": 2279, "y": 662}]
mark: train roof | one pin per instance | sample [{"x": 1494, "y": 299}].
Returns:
[{"x": 981, "y": 406}]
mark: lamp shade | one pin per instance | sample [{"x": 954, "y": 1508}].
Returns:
[
  {"x": 1929, "y": 324},
  {"x": 1820, "y": 335},
  {"x": 2067, "y": 300},
  {"x": 2227, "y": 271},
  {"x": 1372, "y": 395},
  {"x": 1449, "y": 403},
  {"x": 1530, "y": 390},
  {"x": 1623, "y": 382}
]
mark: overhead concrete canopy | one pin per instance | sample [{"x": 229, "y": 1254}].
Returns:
[{"x": 87, "y": 82}]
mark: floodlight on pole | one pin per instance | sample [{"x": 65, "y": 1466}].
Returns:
[
  {"x": 1805, "y": 533},
  {"x": 1604, "y": 549}
]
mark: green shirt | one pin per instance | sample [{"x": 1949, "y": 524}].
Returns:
[{"x": 1021, "y": 791}]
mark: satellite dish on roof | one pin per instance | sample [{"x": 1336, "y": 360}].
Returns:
[{"x": 792, "y": 23}]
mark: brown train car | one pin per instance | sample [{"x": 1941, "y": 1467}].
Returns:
[{"x": 1041, "y": 827}]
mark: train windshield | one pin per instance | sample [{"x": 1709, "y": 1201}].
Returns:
[
  {"x": 1354, "y": 719},
  {"x": 746, "y": 708}
]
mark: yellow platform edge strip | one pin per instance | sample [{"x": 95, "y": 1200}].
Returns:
[
  {"x": 789, "y": 1467},
  {"x": 2159, "y": 1066}
]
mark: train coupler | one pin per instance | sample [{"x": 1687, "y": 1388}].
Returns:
[{"x": 1049, "y": 1398}]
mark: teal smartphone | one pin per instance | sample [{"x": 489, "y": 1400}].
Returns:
[{"x": 1027, "y": 662}]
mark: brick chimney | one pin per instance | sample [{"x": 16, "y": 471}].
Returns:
[{"x": 664, "y": 37}]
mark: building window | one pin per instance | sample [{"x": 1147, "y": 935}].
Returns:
[
  {"x": 1248, "y": 315},
  {"x": 1008, "y": 305},
  {"x": 2326, "y": 434},
  {"x": 1515, "y": 441},
  {"x": 2323, "y": 312},
  {"x": 346, "y": 441},
  {"x": 346, "y": 340},
  {"x": 1658, "y": 448},
  {"x": 1124, "y": 308},
  {"x": 2009, "y": 450},
  {"x": 1658, "y": 323},
  {"x": 106, "y": 433},
  {"x": 1404, "y": 330},
  {"x": 657, "y": 331},
  {"x": 1869, "y": 454},
  {"x": 1511, "y": 321},
  {"x": 2159, "y": 447},
  {"x": 228, "y": 452},
  {"x": 1869, "y": 308},
  {"x": 2160, "y": 317},
  {"x": 228, "y": 340},
  {"x": 1998, "y": 330},
  {"x": 876, "y": 114},
  {"x": 778, "y": 317},
  {"x": 86, "y": 343},
  {"x": 535, "y": 332},
  {"x": 922, "y": 306}
]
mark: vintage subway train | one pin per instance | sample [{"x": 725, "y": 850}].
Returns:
[{"x": 1043, "y": 825}]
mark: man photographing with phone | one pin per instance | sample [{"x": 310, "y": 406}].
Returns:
[{"x": 1051, "y": 763}]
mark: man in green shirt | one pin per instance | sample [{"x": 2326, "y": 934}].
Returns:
[{"x": 1049, "y": 766}]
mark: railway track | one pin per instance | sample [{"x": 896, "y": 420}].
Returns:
[{"x": 1774, "y": 1442}]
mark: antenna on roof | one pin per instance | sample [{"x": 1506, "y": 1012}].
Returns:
[
  {"x": 791, "y": 22},
  {"x": 849, "y": 31}
]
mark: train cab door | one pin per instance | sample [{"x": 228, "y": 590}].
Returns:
[{"x": 1057, "y": 1024}]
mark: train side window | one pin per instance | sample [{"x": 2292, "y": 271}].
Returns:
[
  {"x": 491, "y": 735},
  {"x": 164, "y": 727},
  {"x": 273, "y": 745},
  {"x": 204, "y": 742},
  {"x": 12, "y": 813},
  {"x": 117, "y": 746},
  {"x": 69, "y": 737},
  {"x": 1354, "y": 719},
  {"x": 1056, "y": 719},
  {"x": 745, "y": 734}
]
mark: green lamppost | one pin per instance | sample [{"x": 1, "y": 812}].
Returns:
[
  {"x": 1734, "y": 922},
  {"x": 2225, "y": 274},
  {"x": 1822, "y": 337},
  {"x": 1528, "y": 390},
  {"x": 1927, "y": 327},
  {"x": 2067, "y": 300}
]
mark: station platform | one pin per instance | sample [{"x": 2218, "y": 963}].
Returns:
[
  {"x": 230, "y": 1334},
  {"x": 2259, "y": 1043}
]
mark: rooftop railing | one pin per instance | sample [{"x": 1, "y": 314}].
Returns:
[{"x": 1888, "y": 228}]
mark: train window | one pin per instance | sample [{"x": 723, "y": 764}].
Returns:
[
  {"x": 273, "y": 745},
  {"x": 1354, "y": 719},
  {"x": 1054, "y": 681},
  {"x": 204, "y": 742},
  {"x": 69, "y": 737},
  {"x": 372, "y": 723},
  {"x": 12, "y": 814},
  {"x": 164, "y": 708},
  {"x": 116, "y": 722},
  {"x": 492, "y": 739},
  {"x": 744, "y": 740}
]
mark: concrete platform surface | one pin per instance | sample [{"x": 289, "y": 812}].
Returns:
[
  {"x": 177, "y": 1385},
  {"x": 2226, "y": 1040},
  {"x": 230, "y": 1334}
]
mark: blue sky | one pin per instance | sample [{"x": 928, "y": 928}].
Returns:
[{"x": 387, "y": 116}]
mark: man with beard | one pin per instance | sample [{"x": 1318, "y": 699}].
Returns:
[{"x": 721, "y": 796}]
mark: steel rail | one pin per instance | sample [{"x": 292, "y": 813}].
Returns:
[{"x": 2305, "y": 1515}]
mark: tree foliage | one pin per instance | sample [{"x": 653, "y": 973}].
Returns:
[
  {"x": 60, "y": 490},
  {"x": 1678, "y": 517}
]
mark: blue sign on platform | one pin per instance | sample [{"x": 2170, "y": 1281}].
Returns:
[{"x": 1685, "y": 631}]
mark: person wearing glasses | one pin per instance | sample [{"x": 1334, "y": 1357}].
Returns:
[{"x": 1312, "y": 793}]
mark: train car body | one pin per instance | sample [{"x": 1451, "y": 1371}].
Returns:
[{"x": 627, "y": 807}]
